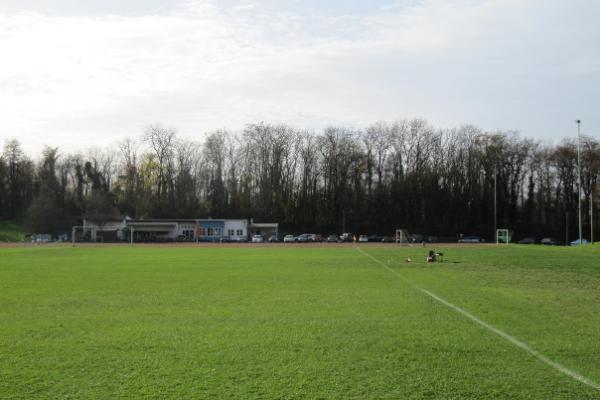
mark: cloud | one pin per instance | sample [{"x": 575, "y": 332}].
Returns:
[{"x": 77, "y": 80}]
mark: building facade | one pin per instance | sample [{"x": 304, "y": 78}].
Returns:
[{"x": 170, "y": 230}]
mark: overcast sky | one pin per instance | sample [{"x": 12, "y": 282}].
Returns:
[{"x": 77, "y": 73}]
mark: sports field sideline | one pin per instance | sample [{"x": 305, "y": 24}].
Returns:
[{"x": 318, "y": 322}]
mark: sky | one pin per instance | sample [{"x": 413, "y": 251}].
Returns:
[{"x": 78, "y": 74}]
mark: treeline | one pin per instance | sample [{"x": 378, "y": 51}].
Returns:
[{"x": 406, "y": 174}]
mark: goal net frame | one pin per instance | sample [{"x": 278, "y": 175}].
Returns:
[
  {"x": 401, "y": 236},
  {"x": 83, "y": 229},
  {"x": 503, "y": 236}
]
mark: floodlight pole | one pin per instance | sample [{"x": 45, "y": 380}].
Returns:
[
  {"x": 579, "y": 178},
  {"x": 567, "y": 229},
  {"x": 495, "y": 202},
  {"x": 592, "y": 217}
]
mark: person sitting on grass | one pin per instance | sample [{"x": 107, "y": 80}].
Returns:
[
  {"x": 431, "y": 257},
  {"x": 435, "y": 256}
]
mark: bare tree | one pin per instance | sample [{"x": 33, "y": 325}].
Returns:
[{"x": 161, "y": 141}]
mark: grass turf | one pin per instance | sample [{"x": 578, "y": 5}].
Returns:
[{"x": 295, "y": 322}]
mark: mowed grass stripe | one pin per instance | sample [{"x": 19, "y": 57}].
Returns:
[
  {"x": 548, "y": 297},
  {"x": 516, "y": 342},
  {"x": 287, "y": 322}
]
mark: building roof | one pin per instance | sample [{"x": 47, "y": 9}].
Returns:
[
  {"x": 264, "y": 225},
  {"x": 172, "y": 221}
]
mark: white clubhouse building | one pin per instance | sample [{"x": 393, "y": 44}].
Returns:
[{"x": 166, "y": 230}]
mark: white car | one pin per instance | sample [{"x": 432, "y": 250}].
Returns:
[
  {"x": 363, "y": 238},
  {"x": 471, "y": 239},
  {"x": 257, "y": 239},
  {"x": 288, "y": 239}
]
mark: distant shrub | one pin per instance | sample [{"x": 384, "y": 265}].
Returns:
[{"x": 11, "y": 232}]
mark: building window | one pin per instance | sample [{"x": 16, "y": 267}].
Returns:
[
  {"x": 230, "y": 232},
  {"x": 240, "y": 232}
]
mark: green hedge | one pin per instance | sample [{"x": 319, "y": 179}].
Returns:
[{"x": 11, "y": 232}]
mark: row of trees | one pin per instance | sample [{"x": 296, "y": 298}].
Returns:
[{"x": 406, "y": 174}]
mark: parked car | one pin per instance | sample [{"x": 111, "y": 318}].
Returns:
[
  {"x": 550, "y": 242},
  {"x": 577, "y": 243},
  {"x": 305, "y": 237},
  {"x": 431, "y": 239},
  {"x": 375, "y": 238},
  {"x": 363, "y": 238},
  {"x": 46, "y": 238},
  {"x": 314, "y": 237},
  {"x": 332, "y": 239},
  {"x": 471, "y": 239},
  {"x": 346, "y": 237},
  {"x": 387, "y": 239},
  {"x": 257, "y": 239},
  {"x": 289, "y": 239},
  {"x": 415, "y": 238},
  {"x": 527, "y": 240},
  {"x": 274, "y": 239}
]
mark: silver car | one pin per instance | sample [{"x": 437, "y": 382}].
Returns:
[{"x": 257, "y": 239}]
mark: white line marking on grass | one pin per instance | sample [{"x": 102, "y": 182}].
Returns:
[{"x": 497, "y": 331}]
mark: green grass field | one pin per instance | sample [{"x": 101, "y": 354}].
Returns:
[{"x": 264, "y": 322}]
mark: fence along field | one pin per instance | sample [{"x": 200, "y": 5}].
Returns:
[{"x": 296, "y": 322}]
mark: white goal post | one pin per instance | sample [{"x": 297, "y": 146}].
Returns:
[
  {"x": 91, "y": 234},
  {"x": 86, "y": 234},
  {"x": 402, "y": 236},
  {"x": 503, "y": 236}
]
